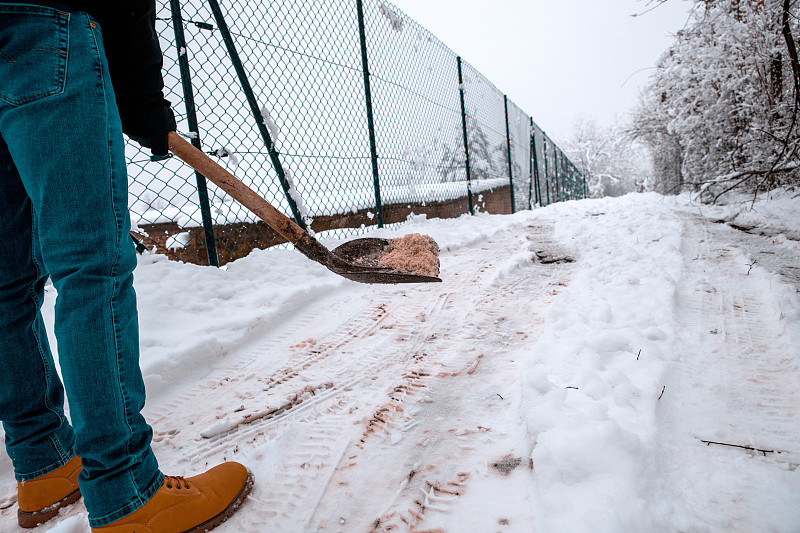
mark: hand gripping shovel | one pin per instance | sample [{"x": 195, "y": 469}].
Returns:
[{"x": 356, "y": 260}]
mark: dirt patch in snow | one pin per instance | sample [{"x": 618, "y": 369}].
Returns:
[{"x": 507, "y": 464}]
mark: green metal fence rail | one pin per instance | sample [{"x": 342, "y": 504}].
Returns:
[{"x": 343, "y": 114}]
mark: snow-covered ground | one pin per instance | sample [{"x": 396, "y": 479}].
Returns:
[{"x": 615, "y": 365}]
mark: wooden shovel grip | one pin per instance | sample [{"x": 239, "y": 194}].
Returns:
[{"x": 238, "y": 190}]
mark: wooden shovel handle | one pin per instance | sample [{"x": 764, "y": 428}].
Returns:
[{"x": 229, "y": 183}]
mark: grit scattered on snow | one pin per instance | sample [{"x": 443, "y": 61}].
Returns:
[{"x": 614, "y": 365}]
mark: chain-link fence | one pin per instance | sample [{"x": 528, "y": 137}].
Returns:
[{"x": 342, "y": 114}]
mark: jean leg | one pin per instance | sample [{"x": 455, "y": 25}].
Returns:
[
  {"x": 38, "y": 436},
  {"x": 70, "y": 154}
]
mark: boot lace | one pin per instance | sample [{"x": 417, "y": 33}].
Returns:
[{"x": 177, "y": 481}]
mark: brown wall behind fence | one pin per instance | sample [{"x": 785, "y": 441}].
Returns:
[{"x": 237, "y": 240}]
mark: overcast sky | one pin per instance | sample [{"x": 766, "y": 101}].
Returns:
[{"x": 557, "y": 59}]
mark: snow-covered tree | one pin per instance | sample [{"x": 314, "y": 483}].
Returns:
[
  {"x": 721, "y": 109},
  {"x": 613, "y": 163}
]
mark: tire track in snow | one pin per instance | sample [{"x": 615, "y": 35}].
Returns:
[
  {"x": 313, "y": 425},
  {"x": 742, "y": 367},
  {"x": 292, "y": 496},
  {"x": 254, "y": 394},
  {"x": 769, "y": 249},
  {"x": 296, "y": 358}
]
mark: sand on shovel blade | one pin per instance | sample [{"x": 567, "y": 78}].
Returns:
[{"x": 412, "y": 254}]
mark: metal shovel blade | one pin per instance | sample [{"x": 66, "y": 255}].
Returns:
[
  {"x": 367, "y": 253},
  {"x": 358, "y": 260}
]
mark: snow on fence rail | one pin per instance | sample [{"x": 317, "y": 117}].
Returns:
[{"x": 343, "y": 115}]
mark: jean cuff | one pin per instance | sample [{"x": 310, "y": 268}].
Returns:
[
  {"x": 46, "y": 470},
  {"x": 131, "y": 506}
]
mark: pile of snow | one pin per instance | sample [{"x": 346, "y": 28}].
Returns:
[{"x": 773, "y": 213}]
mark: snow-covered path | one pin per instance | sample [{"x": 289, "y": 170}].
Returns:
[{"x": 563, "y": 377}]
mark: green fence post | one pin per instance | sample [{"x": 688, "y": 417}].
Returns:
[
  {"x": 576, "y": 176},
  {"x": 556, "y": 152},
  {"x": 255, "y": 110},
  {"x": 530, "y": 163},
  {"x": 466, "y": 136},
  {"x": 571, "y": 191},
  {"x": 373, "y": 147},
  {"x": 535, "y": 195},
  {"x": 508, "y": 147},
  {"x": 572, "y": 180},
  {"x": 571, "y": 175},
  {"x": 191, "y": 117},
  {"x": 546, "y": 167}
]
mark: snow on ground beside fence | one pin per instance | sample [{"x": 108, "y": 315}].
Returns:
[{"x": 613, "y": 365}]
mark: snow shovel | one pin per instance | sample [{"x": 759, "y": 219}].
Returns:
[{"x": 356, "y": 260}]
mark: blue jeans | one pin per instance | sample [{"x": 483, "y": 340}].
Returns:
[{"x": 64, "y": 213}]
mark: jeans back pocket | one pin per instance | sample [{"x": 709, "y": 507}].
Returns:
[{"x": 33, "y": 52}]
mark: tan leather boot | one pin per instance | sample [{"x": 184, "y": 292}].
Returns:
[
  {"x": 189, "y": 505},
  {"x": 40, "y": 499}
]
